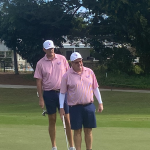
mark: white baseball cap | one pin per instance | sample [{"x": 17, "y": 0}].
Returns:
[
  {"x": 74, "y": 56},
  {"x": 48, "y": 44}
]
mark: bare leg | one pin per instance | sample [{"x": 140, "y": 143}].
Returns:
[
  {"x": 68, "y": 130},
  {"x": 88, "y": 138},
  {"x": 52, "y": 129},
  {"x": 77, "y": 139}
]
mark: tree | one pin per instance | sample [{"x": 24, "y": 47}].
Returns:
[
  {"x": 9, "y": 34},
  {"x": 120, "y": 61},
  {"x": 128, "y": 22},
  {"x": 31, "y": 22}
]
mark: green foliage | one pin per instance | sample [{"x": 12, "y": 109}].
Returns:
[
  {"x": 121, "y": 61},
  {"x": 79, "y": 30},
  {"x": 122, "y": 80},
  {"x": 137, "y": 69},
  {"x": 27, "y": 24},
  {"x": 116, "y": 59},
  {"x": 128, "y": 22},
  {"x": 32, "y": 21}
]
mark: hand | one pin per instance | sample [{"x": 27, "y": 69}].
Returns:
[
  {"x": 100, "y": 107},
  {"x": 62, "y": 113},
  {"x": 41, "y": 102}
]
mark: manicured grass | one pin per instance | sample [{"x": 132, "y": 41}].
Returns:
[
  {"x": 124, "y": 123},
  {"x": 25, "y": 137}
]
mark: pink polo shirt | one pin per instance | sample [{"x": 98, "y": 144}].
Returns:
[
  {"x": 79, "y": 88},
  {"x": 51, "y": 71}
]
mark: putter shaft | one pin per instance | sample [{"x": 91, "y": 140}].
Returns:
[{"x": 65, "y": 132}]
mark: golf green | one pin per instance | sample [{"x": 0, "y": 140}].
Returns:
[
  {"x": 16, "y": 137},
  {"x": 124, "y": 123}
]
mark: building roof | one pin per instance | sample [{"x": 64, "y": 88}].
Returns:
[{"x": 79, "y": 45}]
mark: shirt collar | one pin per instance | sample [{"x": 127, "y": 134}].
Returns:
[
  {"x": 72, "y": 71},
  {"x": 55, "y": 57}
]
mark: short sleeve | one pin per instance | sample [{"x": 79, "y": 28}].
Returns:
[
  {"x": 95, "y": 83},
  {"x": 63, "y": 86},
  {"x": 38, "y": 71}
]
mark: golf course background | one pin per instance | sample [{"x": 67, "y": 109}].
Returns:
[{"x": 124, "y": 123}]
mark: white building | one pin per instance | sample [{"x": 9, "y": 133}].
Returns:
[
  {"x": 81, "y": 48},
  {"x": 4, "y": 51},
  {"x": 7, "y": 55}
]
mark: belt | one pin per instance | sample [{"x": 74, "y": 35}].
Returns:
[
  {"x": 57, "y": 90},
  {"x": 82, "y": 104}
]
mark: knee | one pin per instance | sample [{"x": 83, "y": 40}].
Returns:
[
  {"x": 77, "y": 132},
  {"x": 88, "y": 131},
  {"x": 52, "y": 121}
]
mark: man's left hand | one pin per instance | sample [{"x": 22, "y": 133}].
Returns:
[
  {"x": 100, "y": 107},
  {"x": 62, "y": 113}
]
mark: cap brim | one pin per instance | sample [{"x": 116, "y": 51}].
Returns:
[
  {"x": 76, "y": 59},
  {"x": 49, "y": 47}
]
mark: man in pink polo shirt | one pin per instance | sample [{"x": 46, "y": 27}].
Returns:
[
  {"x": 80, "y": 83},
  {"x": 48, "y": 74}
]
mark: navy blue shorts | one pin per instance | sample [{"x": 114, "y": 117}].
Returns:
[
  {"x": 82, "y": 115},
  {"x": 51, "y": 99}
]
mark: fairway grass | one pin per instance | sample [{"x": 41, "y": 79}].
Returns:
[
  {"x": 109, "y": 138},
  {"x": 23, "y": 137},
  {"x": 124, "y": 123}
]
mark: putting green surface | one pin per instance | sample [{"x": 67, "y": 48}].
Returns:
[
  {"x": 106, "y": 138},
  {"x": 123, "y": 125}
]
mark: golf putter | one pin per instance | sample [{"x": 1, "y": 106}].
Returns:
[
  {"x": 44, "y": 112},
  {"x": 65, "y": 131}
]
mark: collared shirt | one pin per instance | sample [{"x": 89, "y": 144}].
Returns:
[
  {"x": 79, "y": 87},
  {"x": 51, "y": 71}
]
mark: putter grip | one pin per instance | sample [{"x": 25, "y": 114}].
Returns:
[{"x": 64, "y": 123}]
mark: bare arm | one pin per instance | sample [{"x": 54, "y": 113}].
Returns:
[{"x": 40, "y": 92}]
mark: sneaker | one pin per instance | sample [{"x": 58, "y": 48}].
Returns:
[
  {"x": 54, "y": 148},
  {"x": 72, "y": 148}
]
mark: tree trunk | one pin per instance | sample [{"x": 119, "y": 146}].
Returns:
[
  {"x": 145, "y": 61},
  {"x": 15, "y": 62}
]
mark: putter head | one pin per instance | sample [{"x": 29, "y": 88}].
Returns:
[{"x": 44, "y": 112}]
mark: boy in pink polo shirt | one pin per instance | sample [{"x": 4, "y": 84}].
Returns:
[
  {"x": 48, "y": 74},
  {"x": 80, "y": 83}
]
